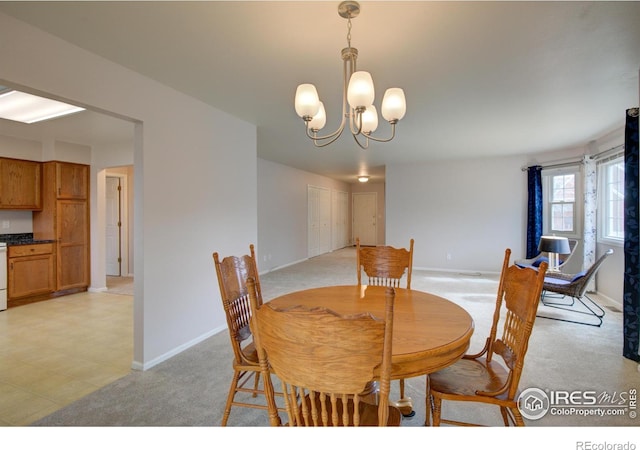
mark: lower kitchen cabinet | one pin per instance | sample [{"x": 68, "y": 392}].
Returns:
[{"x": 31, "y": 270}]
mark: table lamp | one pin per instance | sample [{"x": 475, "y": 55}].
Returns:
[{"x": 554, "y": 245}]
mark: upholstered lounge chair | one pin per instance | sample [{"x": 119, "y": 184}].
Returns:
[
  {"x": 559, "y": 286},
  {"x": 543, "y": 256}
]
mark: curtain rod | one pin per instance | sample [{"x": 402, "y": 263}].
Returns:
[
  {"x": 573, "y": 163},
  {"x": 554, "y": 166},
  {"x": 605, "y": 153}
]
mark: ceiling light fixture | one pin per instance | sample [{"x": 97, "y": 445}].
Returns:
[
  {"x": 363, "y": 178},
  {"x": 357, "y": 98},
  {"x": 27, "y": 108}
]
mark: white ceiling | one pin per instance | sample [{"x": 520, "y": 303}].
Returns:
[{"x": 481, "y": 78}]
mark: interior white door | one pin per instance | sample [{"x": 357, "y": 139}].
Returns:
[
  {"x": 365, "y": 214},
  {"x": 313, "y": 222},
  {"x": 113, "y": 226},
  {"x": 319, "y": 221},
  {"x": 340, "y": 211},
  {"x": 324, "y": 215}
]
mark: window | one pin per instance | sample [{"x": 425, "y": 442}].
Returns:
[
  {"x": 561, "y": 189},
  {"x": 563, "y": 199},
  {"x": 612, "y": 185}
]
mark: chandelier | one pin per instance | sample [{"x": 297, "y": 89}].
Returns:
[{"x": 357, "y": 98}]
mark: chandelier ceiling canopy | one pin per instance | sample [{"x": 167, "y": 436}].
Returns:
[{"x": 358, "y": 94}]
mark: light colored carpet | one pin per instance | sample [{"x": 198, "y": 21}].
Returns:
[{"x": 190, "y": 389}]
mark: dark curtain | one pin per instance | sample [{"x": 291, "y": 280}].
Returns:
[
  {"x": 631, "y": 296},
  {"x": 534, "y": 210}
]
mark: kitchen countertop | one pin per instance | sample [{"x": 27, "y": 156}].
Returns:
[{"x": 22, "y": 239}]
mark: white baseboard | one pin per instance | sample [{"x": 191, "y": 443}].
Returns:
[
  {"x": 474, "y": 273},
  {"x": 97, "y": 289},
  {"x": 137, "y": 365},
  {"x": 282, "y": 267}
]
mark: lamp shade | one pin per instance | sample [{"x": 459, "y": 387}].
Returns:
[
  {"x": 307, "y": 102},
  {"x": 394, "y": 105},
  {"x": 319, "y": 120},
  {"x": 554, "y": 244},
  {"x": 370, "y": 119},
  {"x": 361, "y": 91}
]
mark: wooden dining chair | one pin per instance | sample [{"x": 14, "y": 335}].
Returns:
[
  {"x": 480, "y": 377},
  {"x": 324, "y": 362},
  {"x": 386, "y": 266},
  {"x": 233, "y": 272}
]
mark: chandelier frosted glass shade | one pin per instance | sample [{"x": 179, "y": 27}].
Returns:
[
  {"x": 307, "y": 101},
  {"x": 358, "y": 95},
  {"x": 394, "y": 105},
  {"x": 319, "y": 120},
  {"x": 369, "y": 120},
  {"x": 361, "y": 92}
]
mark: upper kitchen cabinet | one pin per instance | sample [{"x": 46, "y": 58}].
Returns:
[
  {"x": 72, "y": 180},
  {"x": 20, "y": 184}
]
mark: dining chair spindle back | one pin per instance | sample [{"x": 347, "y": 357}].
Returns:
[
  {"x": 233, "y": 273},
  {"x": 385, "y": 266},
  {"x": 480, "y": 377},
  {"x": 325, "y": 361}
]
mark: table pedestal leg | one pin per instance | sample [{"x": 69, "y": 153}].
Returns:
[{"x": 405, "y": 406}]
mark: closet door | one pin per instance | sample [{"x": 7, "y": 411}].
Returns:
[
  {"x": 319, "y": 221},
  {"x": 340, "y": 219}
]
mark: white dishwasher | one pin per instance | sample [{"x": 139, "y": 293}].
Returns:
[{"x": 3, "y": 276}]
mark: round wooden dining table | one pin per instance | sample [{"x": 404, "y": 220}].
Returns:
[{"x": 429, "y": 332}]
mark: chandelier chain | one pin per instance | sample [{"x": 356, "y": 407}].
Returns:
[{"x": 349, "y": 32}]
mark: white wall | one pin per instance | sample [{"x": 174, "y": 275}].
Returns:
[
  {"x": 282, "y": 213},
  {"x": 471, "y": 210},
  {"x": 186, "y": 157}
]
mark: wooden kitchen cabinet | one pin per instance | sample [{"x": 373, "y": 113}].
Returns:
[
  {"x": 65, "y": 218},
  {"x": 20, "y": 184},
  {"x": 72, "y": 181},
  {"x": 73, "y": 244},
  {"x": 31, "y": 270}
]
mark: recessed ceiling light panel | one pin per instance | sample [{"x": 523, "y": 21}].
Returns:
[{"x": 27, "y": 108}]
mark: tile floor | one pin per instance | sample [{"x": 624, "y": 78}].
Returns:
[{"x": 56, "y": 351}]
